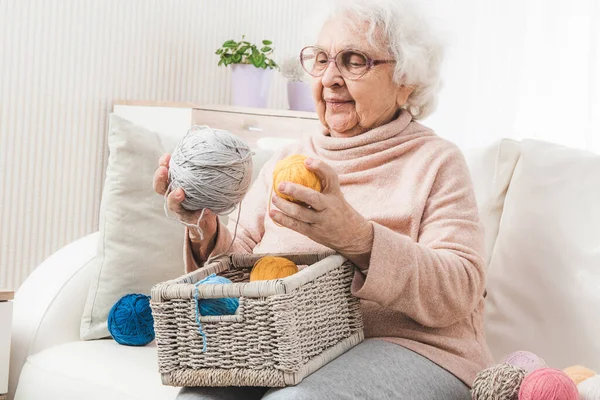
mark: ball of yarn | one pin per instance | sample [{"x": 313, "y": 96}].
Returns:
[
  {"x": 292, "y": 169},
  {"x": 548, "y": 384},
  {"x": 130, "y": 320},
  {"x": 270, "y": 267},
  {"x": 579, "y": 373},
  {"x": 500, "y": 382},
  {"x": 589, "y": 389},
  {"x": 526, "y": 360},
  {"x": 224, "y": 306},
  {"x": 214, "y": 168}
]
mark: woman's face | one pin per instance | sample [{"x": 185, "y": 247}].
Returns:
[{"x": 350, "y": 107}]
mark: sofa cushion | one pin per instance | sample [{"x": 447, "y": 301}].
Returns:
[
  {"x": 139, "y": 246},
  {"x": 100, "y": 369},
  {"x": 491, "y": 171},
  {"x": 544, "y": 274}
]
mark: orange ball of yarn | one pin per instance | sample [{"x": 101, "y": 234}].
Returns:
[
  {"x": 270, "y": 267},
  {"x": 292, "y": 169},
  {"x": 579, "y": 373}
]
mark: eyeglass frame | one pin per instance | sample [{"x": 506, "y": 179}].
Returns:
[{"x": 370, "y": 62}]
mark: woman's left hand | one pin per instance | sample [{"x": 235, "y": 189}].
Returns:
[{"x": 329, "y": 219}]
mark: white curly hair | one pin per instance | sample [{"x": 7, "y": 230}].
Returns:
[{"x": 409, "y": 38}]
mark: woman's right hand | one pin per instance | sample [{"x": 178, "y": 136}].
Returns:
[{"x": 208, "y": 224}]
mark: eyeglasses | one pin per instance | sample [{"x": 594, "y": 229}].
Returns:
[{"x": 352, "y": 64}]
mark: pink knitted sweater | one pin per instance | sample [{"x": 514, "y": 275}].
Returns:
[{"x": 424, "y": 288}]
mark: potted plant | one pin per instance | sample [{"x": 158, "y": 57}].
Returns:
[
  {"x": 251, "y": 71},
  {"x": 298, "y": 90}
]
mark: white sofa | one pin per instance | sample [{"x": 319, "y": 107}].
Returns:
[{"x": 540, "y": 206}]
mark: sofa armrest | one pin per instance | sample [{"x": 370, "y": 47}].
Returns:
[{"x": 48, "y": 306}]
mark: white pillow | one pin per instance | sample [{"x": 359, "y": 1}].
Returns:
[
  {"x": 544, "y": 275},
  {"x": 139, "y": 246}
]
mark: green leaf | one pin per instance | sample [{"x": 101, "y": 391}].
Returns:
[
  {"x": 230, "y": 44},
  {"x": 237, "y": 58},
  {"x": 242, "y": 50},
  {"x": 267, "y": 42},
  {"x": 266, "y": 49},
  {"x": 255, "y": 61},
  {"x": 219, "y": 51},
  {"x": 220, "y": 63}
]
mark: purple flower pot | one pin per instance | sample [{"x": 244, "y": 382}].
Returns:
[
  {"x": 300, "y": 96},
  {"x": 250, "y": 85}
]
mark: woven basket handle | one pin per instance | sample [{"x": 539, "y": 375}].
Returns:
[
  {"x": 272, "y": 287},
  {"x": 245, "y": 259}
]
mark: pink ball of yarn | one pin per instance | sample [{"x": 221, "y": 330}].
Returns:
[
  {"x": 590, "y": 388},
  {"x": 548, "y": 384},
  {"x": 526, "y": 360}
]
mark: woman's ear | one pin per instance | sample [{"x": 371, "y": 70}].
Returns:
[{"x": 403, "y": 92}]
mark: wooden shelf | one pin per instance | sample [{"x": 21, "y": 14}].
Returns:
[
  {"x": 221, "y": 108},
  {"x": 6, "y": 295}
]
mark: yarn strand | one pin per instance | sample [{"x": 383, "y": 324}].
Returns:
[
  {"x": 212, "y": 258},
  {"x": 197, "y": 307}
]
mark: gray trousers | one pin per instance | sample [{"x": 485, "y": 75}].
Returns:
[{"x": 374, "y": 369}]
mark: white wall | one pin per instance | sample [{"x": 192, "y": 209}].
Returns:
[
  {"x": 64, "y": 62},
  {"x": 519, "y": 68}
]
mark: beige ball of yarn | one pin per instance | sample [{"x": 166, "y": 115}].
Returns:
[
  {"x": 579, "y": 373},
  {"x": 500, "y": 382}
]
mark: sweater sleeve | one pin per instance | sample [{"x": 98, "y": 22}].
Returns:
[
  {"x": 250, "y": 229},
  {"x": 438, "y": 279}
]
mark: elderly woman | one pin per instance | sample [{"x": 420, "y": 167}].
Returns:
[{"x": 397, "y": 200}]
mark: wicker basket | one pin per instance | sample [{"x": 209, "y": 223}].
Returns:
[{"x": 283, "y": 329}]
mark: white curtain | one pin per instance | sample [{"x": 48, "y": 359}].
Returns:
[{"x": 519, "y": 69}]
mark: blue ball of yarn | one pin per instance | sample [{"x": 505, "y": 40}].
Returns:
[
  {"x": 225, "y": 306},
  {"x": 130, "y": 320}
]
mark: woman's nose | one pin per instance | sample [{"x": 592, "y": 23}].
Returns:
[{"x": 332, "y": 75}]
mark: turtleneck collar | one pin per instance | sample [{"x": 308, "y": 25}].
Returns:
[{"x": 376, "y": 140}]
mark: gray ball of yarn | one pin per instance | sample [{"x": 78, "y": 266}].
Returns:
[
  {"x": 214, "y": 168},
  {"x": 500, "y": 382}
]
